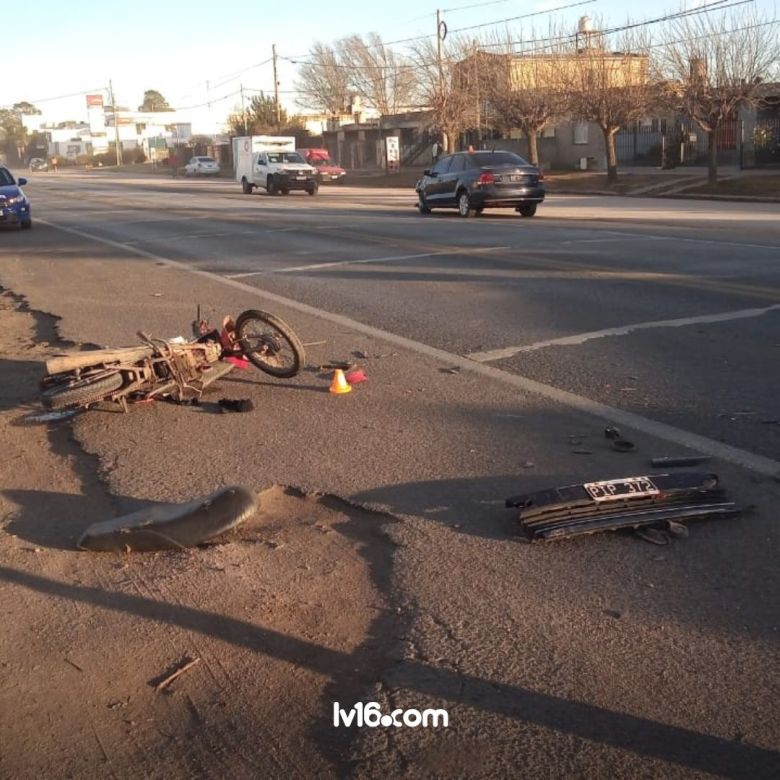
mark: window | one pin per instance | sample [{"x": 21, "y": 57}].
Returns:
[
  {"x": 482, "y": 159},
  {"x": 548, "y": 132},
  {"x": 580, "y": 132},
  {"x": 442, "y": 166},
  {"x": 459, "y": 163}
]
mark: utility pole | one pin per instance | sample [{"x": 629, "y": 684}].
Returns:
[
  {"x": 276, "y": 88},
  {"x": 438, "y": 45},
  {"x": 116, "y": 123},
  {"x": 476, "y": 96},
  {"x": 243, "y": 110}
]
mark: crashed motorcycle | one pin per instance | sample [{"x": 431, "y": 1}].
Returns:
[{"x": 172, "y": 368}]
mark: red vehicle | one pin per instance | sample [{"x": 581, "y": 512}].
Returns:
[{"x": 327, "y": 170}]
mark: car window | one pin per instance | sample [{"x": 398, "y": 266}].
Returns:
[
  {"x": 459, "y": 163},
  {"x": 497, "y": 158},
  {"x": 5, "y": 177},
  {"x": 442, "y": 165},
  {"x": 206, "y": 159}
]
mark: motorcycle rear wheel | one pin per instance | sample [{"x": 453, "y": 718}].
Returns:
[
  {"x": 269, "y": 343},
  {"x": 85, "y": 391}
]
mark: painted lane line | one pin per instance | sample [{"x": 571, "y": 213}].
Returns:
[
  {"x": 576, "y": 340},
  {"x": 693, "y": 441},
  {"x": 317, "y": 266},
  {"x": 366, "y": 261}
]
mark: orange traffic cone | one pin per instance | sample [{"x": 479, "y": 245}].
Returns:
[{"x": 339, "y": 384}]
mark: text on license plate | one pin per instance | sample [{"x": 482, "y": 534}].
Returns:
[
  {"x": 612, "y": 489},
  {"x": 517, "y": 177}
]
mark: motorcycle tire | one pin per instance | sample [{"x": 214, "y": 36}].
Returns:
[
  {"x": 264, "y": 349},
  {"x": 85, "y": 391}
]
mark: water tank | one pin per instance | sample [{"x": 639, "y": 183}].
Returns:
[{"x": 585, "y": 25}]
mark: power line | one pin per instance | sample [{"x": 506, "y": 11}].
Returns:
[{"x": 60, "y": 97}]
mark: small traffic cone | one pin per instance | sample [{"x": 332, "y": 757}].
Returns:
[{"x": 339, "y": 384}]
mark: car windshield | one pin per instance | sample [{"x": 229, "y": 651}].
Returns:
[
  {"x": 5, "y": 177},
  {"x": 321, "y": 161},
  {"x": 484, "y": 159},
  {"x": 285, "y": 157},
  {"x": 206, "y": 159}
]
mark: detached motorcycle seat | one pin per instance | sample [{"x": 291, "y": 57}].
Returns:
[{"x": 171, "y": 526}]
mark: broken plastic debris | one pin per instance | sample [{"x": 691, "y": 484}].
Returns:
[
  {"x": 693, "y": 460},
  {"x": 235, "y": 405},
  {"x": 171, "y": 526},
  {"x": 356, "y": 377}
]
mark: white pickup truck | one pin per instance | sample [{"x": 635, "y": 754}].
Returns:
[{"x": 272, "y": 163}]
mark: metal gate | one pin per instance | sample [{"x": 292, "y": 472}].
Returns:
[{"x": 766, "y": 141}]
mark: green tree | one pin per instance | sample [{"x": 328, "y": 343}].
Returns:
[
  {"x": 26, "y": 108},
  {"x": 154, "y": 101},
  {"x": 12, "y": 133}
]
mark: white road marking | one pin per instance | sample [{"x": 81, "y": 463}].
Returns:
[
  {"x": 623, "y": 330},
  {"x": 365, "y": 261},
  {"x": 693, "y": 441}
]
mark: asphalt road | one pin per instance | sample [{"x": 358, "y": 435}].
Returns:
[{"x": 488, "y": 343}]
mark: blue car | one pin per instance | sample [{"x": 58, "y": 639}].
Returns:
[{"x": 14, "y": 205}]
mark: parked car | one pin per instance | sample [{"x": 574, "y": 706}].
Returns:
[
  {"x": 14, "y": 205},
  {"x": 201, "y": 166},
  {"x": 327, "y": 170},
  {"x": 38, "y": 164},
  {"x": 473, "y": 181}
]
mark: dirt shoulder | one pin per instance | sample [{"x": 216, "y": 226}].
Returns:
[{"x": 289, "y": 606}]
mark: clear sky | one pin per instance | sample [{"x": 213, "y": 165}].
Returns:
[{"x": 178, "y": 45}]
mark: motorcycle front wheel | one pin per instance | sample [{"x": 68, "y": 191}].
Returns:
[
  {"x": 269, "y": 343},
  {"x": 82, "y": 392}
]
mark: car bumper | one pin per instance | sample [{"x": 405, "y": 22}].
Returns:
[
  {"x": 13, "y": 215},
  {"x": 292, "y": 183},
  {"x": 492, "y": 196},
  {"x": 325, "y": 178}
]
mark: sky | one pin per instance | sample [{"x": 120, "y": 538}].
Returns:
[{"x": 176, "y": 47}]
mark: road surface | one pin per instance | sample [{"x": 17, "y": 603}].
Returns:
[{"x": 489, "y": 343}]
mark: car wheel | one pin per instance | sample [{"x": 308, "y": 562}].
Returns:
[
  {"x": 246, "y": 187},
  {"x": 478, "y": 211},
  {"x": 422, "y": 205},
  {"x": 465, "y": 209},
  {"x": 313, "y": 190},
  {"x": 270, "y": 186},
  {"x": 526, "y": 209}
]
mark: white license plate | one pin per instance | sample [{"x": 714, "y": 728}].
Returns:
[
  {"x": 301, "y": 178},
  {"x": 516, "y": 177},
  {"x": 615, "y": 489}
]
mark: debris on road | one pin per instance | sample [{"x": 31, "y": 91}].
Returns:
[
  {"x": 235, "y": 405},
  {"x": 171, "y": 526},
  {"x": 629, "y": 502},
  {"x": 692, "y": 460},
  {"x": 185, "y": 666},
  {"x": 623, "y": 445},
  {"x": 451, "y": 370},
  {"x": 356, "y": 377},
  {"x": 339, "y": 384},
  {"x": 610, "y": 432}
]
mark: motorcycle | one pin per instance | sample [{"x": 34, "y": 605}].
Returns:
[{"x": 174, "y": 368}]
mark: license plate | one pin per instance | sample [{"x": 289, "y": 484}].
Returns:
[
  {"x": 301, "y": 178},
  {"x": 516, "y": 177},
  {"x": 614, "y": 489}
]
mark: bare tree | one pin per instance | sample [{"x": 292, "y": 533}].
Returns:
[
  {"x": 443, "y": 87},
  {"x": 713, "y": 65},
  {"x": 609, "y": 84},
  {"x": 526, "y": 86},
  {"x": 323, "y": 81},
  {"x": 381, "y": 77}
]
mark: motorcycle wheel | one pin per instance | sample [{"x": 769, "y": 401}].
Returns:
[
  {"x": 85, "y": 391},
  {"x": 269, "y": 343}
]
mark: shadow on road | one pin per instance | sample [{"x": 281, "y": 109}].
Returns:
[{"x": 619, "y": 730}]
